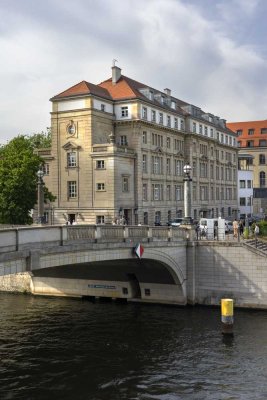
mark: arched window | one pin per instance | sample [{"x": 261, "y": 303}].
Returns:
[
  {"x": 262, "y": 179},
  {"x": 262, "y": 159}
]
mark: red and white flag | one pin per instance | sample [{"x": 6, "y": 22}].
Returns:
[{"x": 139, "y": 250}]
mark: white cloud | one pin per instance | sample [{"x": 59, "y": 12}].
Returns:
[{"x": 164, "y": 43}]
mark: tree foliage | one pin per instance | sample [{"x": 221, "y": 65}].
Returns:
[
  {"x": 18, "y": 180},
  {"x": 40, "y": 140}
]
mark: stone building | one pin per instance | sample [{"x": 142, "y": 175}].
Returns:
[
  {"x": 118, "y": 151},
  {"x": 252, "y": 141}
]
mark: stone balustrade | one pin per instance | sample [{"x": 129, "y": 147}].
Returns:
[{"x": 14, "y": 239}]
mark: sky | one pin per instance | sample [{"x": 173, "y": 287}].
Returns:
[{"x": 210, "y": 53}]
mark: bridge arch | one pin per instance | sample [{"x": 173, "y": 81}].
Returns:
[{"x": 158, "y": 269}]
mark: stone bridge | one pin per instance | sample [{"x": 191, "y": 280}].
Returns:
[{"x": 99, "y": 261}]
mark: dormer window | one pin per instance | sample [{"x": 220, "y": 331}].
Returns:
[
  {"x": 162, "y": 99},
  {"x": 124, "y": 112},
  {"x": 173, "y": 105},
  {"x": 151, "y": 95}
]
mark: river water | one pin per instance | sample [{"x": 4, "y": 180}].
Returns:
[{"x": 61, "y": 348}]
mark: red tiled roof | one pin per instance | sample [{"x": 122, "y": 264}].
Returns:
[
  {"x": 83, "y": 88},
  {"x": 127, "y": 88},
  {"x": 245, "y": 127}
]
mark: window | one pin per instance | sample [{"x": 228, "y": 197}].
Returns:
[
  {"x": 123, "y": 140},
  {"x": 262, "y": 179},
  {"x": 182, "y": 125},
  {"x": 168, "y": 120},
  {"x": 168, "y": 166},
  {"x": 124, "y": 112},
  {"x": 144, "y": 163},
  {"x": 200, "y": 129},
  {"x": 45, "y": 169},
  {"x": 262, "y": 159},
  {"x": 249, "y": 202},
  {"x": 250, "y": 143},
  {"x": 145, "y": 218},
  {"x": 145, "y": 191},
  {"x": 144, "y": 113},
  {"x": 173, "y": 104},
  {"x": 206, "y": 130},
  {"x": 161, "y": 118},
  {"x": 242, "y": 201},
  {"x": 103, "y": 107},
  {"x": 178, "y": 193},
  {"x": 147, "y": 292},
  {"x": 238, "y": 144},
  {"x": 203, "y": 192},
  {"x": 100, "y": 164},
  {"x": 71, "y": 159},
  {"x": 178, "y": 167},
  {"x": 168, "y": 142},
  {"x": 251, "y": 132},
  {"x": 221, "y": 137},
  {"x": 211, "y": 171},
  {"x": 242, "y": 184},
  {"x": 168, "y": 194},
  {"x": 125, "y": 184},
  {"x": 100, "y": 186},
  {"x": 46, "y": 217},
  {"x": 263, "y": 131},
  {"x": 203, "y": 167},
  {"x": 72, "y": 189},
  {"x": 175, "y": 123},
  {"x": 211, "y": 132},
  {"x": 124, "y": 290},
  {"x": 239, "y": 132},
  {"x": 100, "y": 219},
  {"x": 157, "y": 165},
  {"x": 153, "y": 115},
  {"x": 144, "y": 137},
  {"x": 157, "y": 192},
  {"x": 262, "y": 143},
  {"x": 249, "y": 184},
  {"x": 194, "y": 127}
]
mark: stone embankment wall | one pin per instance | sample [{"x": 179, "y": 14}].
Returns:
[
  {"x": 19, "y": 282},
  {"x": 227, "y": 270}
]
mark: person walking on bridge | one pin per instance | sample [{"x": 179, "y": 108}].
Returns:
[{"x": 235, "y": 228}]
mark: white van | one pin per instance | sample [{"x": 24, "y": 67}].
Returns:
[{"x": 204, "y": 221}]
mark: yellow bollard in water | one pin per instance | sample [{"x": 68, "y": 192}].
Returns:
[{"x": 227, "y": 316}]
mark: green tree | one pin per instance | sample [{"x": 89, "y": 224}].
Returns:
[
  {"x": 40, "y": 140},
  {"x": 18, "y": 181}
]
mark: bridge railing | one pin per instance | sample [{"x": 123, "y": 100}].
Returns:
[{"x": 14, "y": 239}]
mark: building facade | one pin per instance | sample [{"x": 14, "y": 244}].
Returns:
[
  {"x": 252, "y": 141},
  {"x": 118, "y": 151}
]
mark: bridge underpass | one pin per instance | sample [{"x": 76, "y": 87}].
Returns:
[{"x": 147, "y": 280}]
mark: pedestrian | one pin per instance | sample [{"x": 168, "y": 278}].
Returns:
[
  {"x": 235, "y": 228},
  {"x": 241, "y": 227},
  {"x": 256, "y": 230}
]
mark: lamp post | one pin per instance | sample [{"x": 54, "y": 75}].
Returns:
[
  {"x": 187, "y": 195},
  {"x": 40, "y": 196}
]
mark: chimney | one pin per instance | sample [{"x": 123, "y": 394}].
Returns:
[
  {"x": 167, "y": 91},
  {"x": 116, "y": 74}
]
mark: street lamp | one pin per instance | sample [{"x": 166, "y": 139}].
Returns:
[
  {"x": 187, "y": 195},
  {"x": 40, "y": 196}
]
